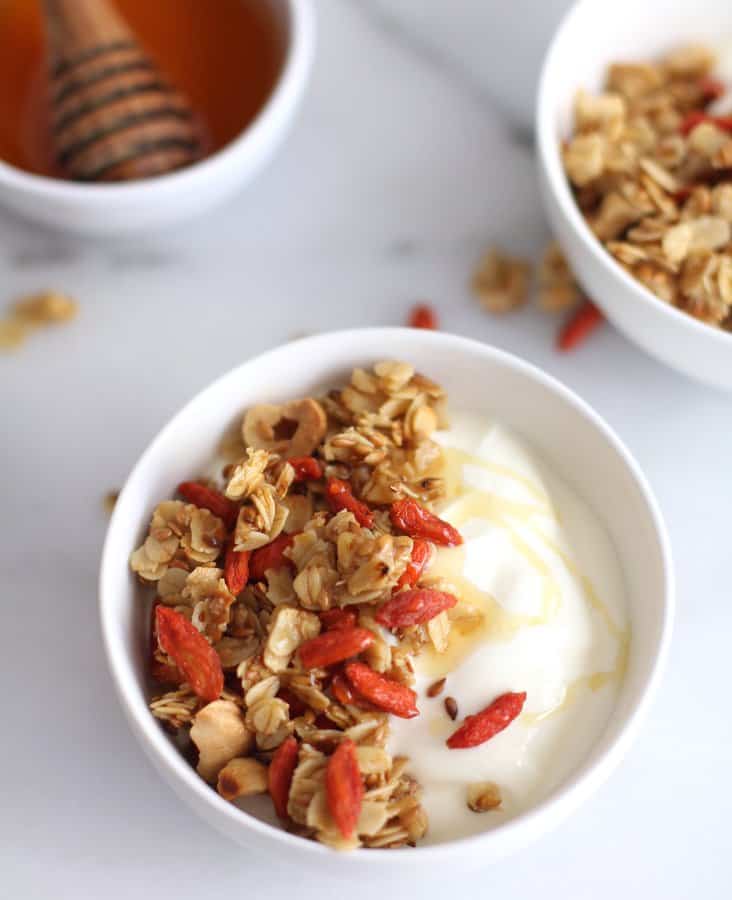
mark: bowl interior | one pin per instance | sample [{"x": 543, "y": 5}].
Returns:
[{"x": 556, "y": 423}]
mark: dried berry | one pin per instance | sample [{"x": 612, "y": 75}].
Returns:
[
  {"x": 423, "y": 316},
  {"x": 422, "y": 552},
  {"x": 584, "y": 320},
  {"x": 344, "y": 787},
  {"x": 272, "y": 556},
  {"x": 279, "y": 774},
  {"x": 207, "y": 498},
  {"x": 339, "y": 495},
  {"x": 236, "y": 569},
  {"x": 307, "y": 468},
  {"x": 334, "y": 646},
  {"x": 486, "y": 724},
  {"x": 413, "y": 519},
  {"x": 383, "y": 692},
  {"x": 414, "y": 607},
  {"x": 191, "y": 652},
  {"x": 338, "y": 618}
]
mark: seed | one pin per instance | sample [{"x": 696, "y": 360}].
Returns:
[
  {"x": 436, "y": 688},
  {"x": 451, "y": 707}
]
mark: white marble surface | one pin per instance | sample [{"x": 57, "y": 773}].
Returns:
[{"x": 398, "y": 172}]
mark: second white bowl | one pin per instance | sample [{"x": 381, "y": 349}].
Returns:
[{"x": 593, "y": 34}]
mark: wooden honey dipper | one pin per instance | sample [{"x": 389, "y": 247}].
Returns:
[{"x": 114, "y": 117}]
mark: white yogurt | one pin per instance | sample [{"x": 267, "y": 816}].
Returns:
[{"x": 539, "y": 581}]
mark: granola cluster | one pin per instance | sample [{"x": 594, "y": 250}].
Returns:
[
  {"x": 649, "y": 165},
  {"x": 292, "y": 597}
]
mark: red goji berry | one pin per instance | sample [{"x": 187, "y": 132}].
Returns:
[
  {"x": 279, "y": 774},
  {"x": 414, "y": 607},
  {"x": 271, "y": 556},
  {"x": 423, "y": 316},
  {"x": 191, "y": 652},
  {"x": 339, "y": 496},
  {"x": 383, "y": 692},
  {"x": 208, "y": 498},
  {"x": 484, "y": 725},
  {"x": 307, "y": 468},
  {"x": 413, "y": 519},
  {"x": 338, "y": 618},
  {"x": 334, "y": 646},
  {"x": 345, "y": 693},
  {"x": 344, "y": 787},
  {"x": 236, "y": 569},
  {"x": 421, "y": 556},
  {"x": 584, "y": 320}
]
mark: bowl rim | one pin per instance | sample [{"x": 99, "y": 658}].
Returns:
[
  {"x": 558, "y": 184},
  {"x": 561, "y": 802},
  {"x": 290, "y": 78}
]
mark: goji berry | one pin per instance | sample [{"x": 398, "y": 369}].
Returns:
[
  {"x": 236, "y": 569},
  {"x": 484, "y": 725},
  {"x": 421, "y": 556},
  {"x": 191, "y": 652},
  {"x": 584, "y": 320},
  {"x": 208, "y": 498},
  {"x": 346, "y": 694},
  {"x": 383, "y": 692},
  {"x": 279, "y": 774},
  {"x": 423, "y": 316},
  {"x": 344, "y": 787},
  {"x": 338, "y": 618},
  {"x": 307, "y": 468},
  {"x": 413, "y": 519},
  {"x": 334, "y": 646},
  {"x": 339, "y": 496},
  {"x": 271, "y": 556},
  {"x": 413, "y": 607}
]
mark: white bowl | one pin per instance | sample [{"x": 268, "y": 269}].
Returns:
[
  {"x": 111, "y": 209},
  {"x": 593, "y": 34},
  {"x": 563, "y": 429}
]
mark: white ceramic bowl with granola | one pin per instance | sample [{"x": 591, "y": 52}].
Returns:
[
  {"x": 403, "y": 612},
  {"x": 635, "y": 153}
]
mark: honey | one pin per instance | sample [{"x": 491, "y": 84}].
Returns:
[{"x": 223, "y": 55}]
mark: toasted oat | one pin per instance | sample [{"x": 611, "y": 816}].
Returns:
[
  {"x": 501, "y": 282},
  {"x": 484, "y": 796}
]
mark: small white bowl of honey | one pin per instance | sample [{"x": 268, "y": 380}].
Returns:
[{"x": 238, "y": 67}]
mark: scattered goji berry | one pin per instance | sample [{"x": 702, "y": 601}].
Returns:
[
  {"x": 334, "y": 646},
  {"x": 307, "y": 468},
  {"x": 344, "y": 787},
  {"x": 421, "y": 556},
  {"x": 279, "y": 774},
  {"x": 236, "y": 569},
  {"x": 484, "y": 725},
  {"x": 208, "y": 498},
  {"x": 414, "y": 607},
  {"x": 383, "y": 692},
  {"x": 423, "y": 316},
  {"x": 339, "y": 496},
  {"x": 584, "y": 320},
  {"x": 338, "y": 618},
  {"x": 191, "y": 652},
  {"x": 413, "y": 519},
  {"x": 271, "y": 556}
]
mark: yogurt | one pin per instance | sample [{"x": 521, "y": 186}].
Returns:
[{"x": 541, "y": 609}]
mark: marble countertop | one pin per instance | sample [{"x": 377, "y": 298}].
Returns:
[{"x": 399, "y": 171}]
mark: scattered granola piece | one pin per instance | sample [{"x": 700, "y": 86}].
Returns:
[
  {"x": 557, "y": 288},
  {"x": 34, "y": 311},
  {"x": 501, "y": 282},
  {"x": 484, "y": 796}
]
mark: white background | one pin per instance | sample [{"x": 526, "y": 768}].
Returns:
[{"x": 397, "y": 174}]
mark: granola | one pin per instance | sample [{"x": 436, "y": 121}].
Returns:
[
  {"x": 649, "y": 164},
  {"x": 271, "y": 569}
]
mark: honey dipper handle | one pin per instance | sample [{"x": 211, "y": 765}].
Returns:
[{"x": 77, "y": 26}]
